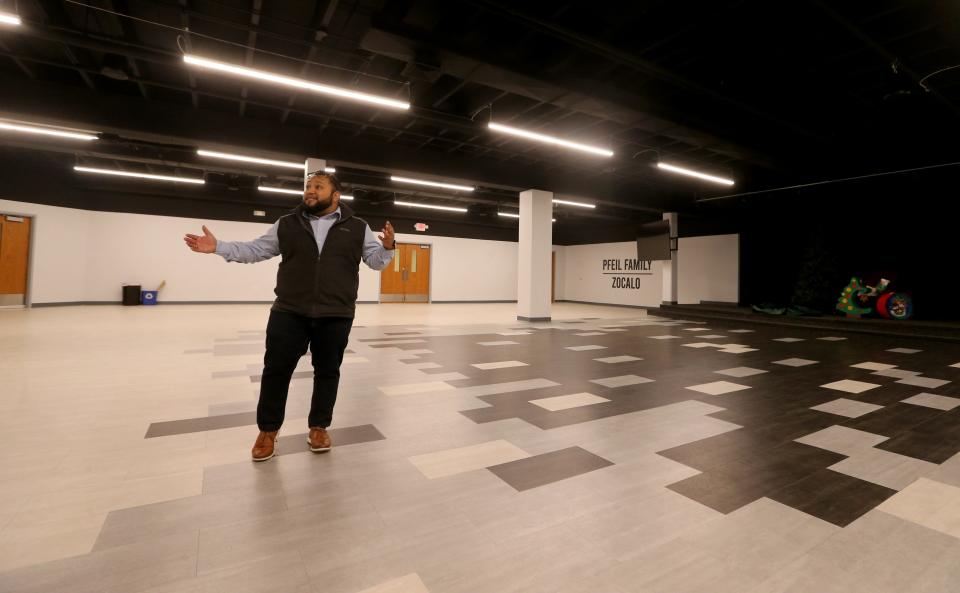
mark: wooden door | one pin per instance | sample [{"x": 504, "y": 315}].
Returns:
[
  {"x": 417, "y": 286},
  {"x": 391, "y": 279},
  {"x": 14, "y": 255},
  {"x": 553, "y": 276},
  {"x": 407, "y": 278}
]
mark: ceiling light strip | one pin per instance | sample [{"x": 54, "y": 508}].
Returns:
[
  {"x": 139, "y": 175},
  {"x": 280, "y": 190},
  {"x": 10, "y": 19},
  {"x": 249, "y": 159},
  {"x": 294, "y": 82},
  {"x": 578, "y": 204},
  {"x": 431, "y": 183},
  {"x": 293, "y": 192},
  {"x": 512, "y": 215},
  {"x": 683, "y": 171},
  {"x": 430, "y": 206},
  {"x": 550, "y": 139},
  {"x": 29, "y": 129}
]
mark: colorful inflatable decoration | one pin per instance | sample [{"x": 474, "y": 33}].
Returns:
[{"x": 857, "y": 297}]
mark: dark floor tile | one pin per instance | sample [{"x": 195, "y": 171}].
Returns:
[
  {"x": 894, "y": 419},
  {"x": 341, "y": 437},
  {"x": 188, "y": 425},
  {"x": 718, "y": 492},
  {"x": 548, "y": 468},
  {"x": 832, "y": 496}
]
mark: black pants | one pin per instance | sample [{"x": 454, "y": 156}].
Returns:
[{"x": 288, "y": 336}]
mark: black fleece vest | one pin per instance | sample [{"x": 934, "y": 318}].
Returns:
[{"x": 319, "y": 284}]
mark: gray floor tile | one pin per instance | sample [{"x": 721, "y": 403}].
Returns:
[
  {"x": 621, "y": 381},
  {"x": 847, "y": 407},
  {"x": 925, "y": 382},
  {"x": 931, "y": 400},
  {"x": 548, "y": 468}
]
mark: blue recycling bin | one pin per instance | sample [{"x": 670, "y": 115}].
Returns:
[{"x": 148, "y": 297}]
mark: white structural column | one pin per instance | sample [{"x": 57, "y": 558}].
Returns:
[
  {"x": 313, "y": 165},
  {"x": 670, "y": 272},
  {"x": 536, "y": 244}
]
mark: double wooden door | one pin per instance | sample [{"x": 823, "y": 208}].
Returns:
[
  {"x": 14, "y": 255},
  {"x": 407, "y": 278}
]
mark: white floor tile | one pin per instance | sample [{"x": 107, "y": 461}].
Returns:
[
  {"x": 925, "y": 382},
  {"x": 586, "y": 347},
  {"x": 504, "y": 364},
  {"x": 411, "y": 388},
  {"x": 850, "y": 386},
  {"x": 932, "y": 504},
  {"x": 795, "y": 362},
  {"x": 896, "y": 373},
  {"x": 718, "y": 387},
  {"x": 621, "y": 381},
  {"x": 873, "y": 366},
  {"x": 565, "y": 402},
  {"x": 931, "y": 400},
  {"x": 847, "y": 407},
  {"x": 616, "y": 359},
  {"x": 450, "y": 462},
  {"x": 741, "y": 372}
]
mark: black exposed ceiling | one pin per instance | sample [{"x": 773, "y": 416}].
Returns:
[{"x": 769, "y": 93}]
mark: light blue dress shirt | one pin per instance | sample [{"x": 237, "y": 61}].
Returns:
[{"x": 375, "y": 255}]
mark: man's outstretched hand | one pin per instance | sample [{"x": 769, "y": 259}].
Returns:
[
  {"x": 386, "y": 238},
  {"x": 207, "y": 243}
]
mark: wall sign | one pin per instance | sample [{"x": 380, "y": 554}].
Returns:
[
  {"x": 420, "y": 227},
  {"x": 626, "y": 273}
]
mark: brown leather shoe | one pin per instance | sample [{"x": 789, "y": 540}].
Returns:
[
  {"x": 265, "y": 446},
  {"x": 319, "y": 440}
]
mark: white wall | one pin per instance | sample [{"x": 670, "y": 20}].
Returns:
[
  {"x": 709, "y": 269},
  {"x": 586, "y": 280},
  {"x": 86, "y": 256},
  {"x": 145, "y": 249},
  {"x": 470, "y": 269},
  {"x": 58, "y": 251}
]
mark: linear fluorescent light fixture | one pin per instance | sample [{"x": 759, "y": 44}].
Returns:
[
  {"x": 294, "y": 82},
  {"x": 683, "y": 171},
  {"x": 139, "y": 175},
  {"x": 329, "y": 170},
  {"x": 431, "y": 183},
  {"x": 10, "y": 19},
  {"x": 280, "y": 190},
  {"x": 579, "y": 204},
  {"x": 550, "y": 139},
  {"x": 249, "y": 159},
  {"x": 430, "y": 206},
  {"x": 28, "y": 129},
  {"x": 512, "y": 215},
  {"x": 293, "y": 192}
]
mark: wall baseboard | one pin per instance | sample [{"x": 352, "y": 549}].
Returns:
[
  {"x": 86, "y": 303},
  {"x": 609, "y": 304},
  {"x": 473, "y": 302}
]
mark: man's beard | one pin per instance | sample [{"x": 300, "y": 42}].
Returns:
[{"x": 319, "y": 207}]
